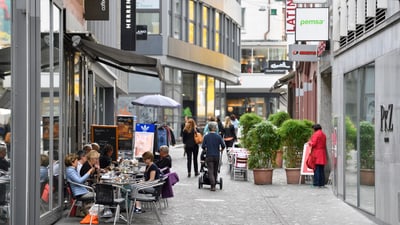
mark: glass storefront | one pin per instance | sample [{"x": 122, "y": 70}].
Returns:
[
  {"x": 51, "y": 108},
  {"x": 359, "y": 105}
]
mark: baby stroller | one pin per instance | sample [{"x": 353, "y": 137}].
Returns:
[{"x": 204, "y": 176}]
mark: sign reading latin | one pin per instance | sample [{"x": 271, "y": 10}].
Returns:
[
  {"x": 128, "y": 25},
  {"x": 96, "y": 10},
  {"x": 312, "y": 24},
  {"x": 290, "y": 17}
]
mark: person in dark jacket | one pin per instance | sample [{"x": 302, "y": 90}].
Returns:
[
  {"x": 318, "y": 151},
  {"x": 214, "y": 144},
  {"x": 165, "y": 161},
  {"x": 229, "y": 133},
  {"x": 191, "y": 148}
]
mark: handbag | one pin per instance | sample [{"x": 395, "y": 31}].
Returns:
[
  {"x": 198, "y": 138},
  {"x": 310, "y": 162}
]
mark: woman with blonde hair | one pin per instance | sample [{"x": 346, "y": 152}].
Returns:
[
  {"x": 191, "y": 148},
  {"x": 229, "y": 133},
  {"x": 92, "y": 162}
]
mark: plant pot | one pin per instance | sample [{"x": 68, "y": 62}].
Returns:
[
  {"x": 279, "y": 159},
  {"x": 293, "y": 176},
  {"x": 263, "y": 176},
  {"x": 367, "y": 177}
]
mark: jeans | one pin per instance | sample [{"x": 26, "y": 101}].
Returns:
[{"x": 319, "y": 176}]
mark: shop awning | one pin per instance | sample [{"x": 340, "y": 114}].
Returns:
[
  {"x": 123, "y": 60},
  {"x": 283, "y": 80}
]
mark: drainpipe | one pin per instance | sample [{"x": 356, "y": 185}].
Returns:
[{"x": 269, "y": 20}]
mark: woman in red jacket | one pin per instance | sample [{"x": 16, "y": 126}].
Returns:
[{"x": 318, "y": 151}]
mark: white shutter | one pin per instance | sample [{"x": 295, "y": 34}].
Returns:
[
  {"x": 360, "y": 12},
  {"x": 343, "y": 18},
  {"x": 382, "y": 4},
  {"x": 371, "y": 8},
  {"x": 351, "y": 15}
]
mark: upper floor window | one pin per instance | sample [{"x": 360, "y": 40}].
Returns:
[
  {"x": 148, "y": 13},
  {"x": 205, "y": 27}
]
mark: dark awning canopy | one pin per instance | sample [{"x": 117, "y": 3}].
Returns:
[
  {"x": 283, "y": 80},
  {"x": 123, "y": 60}
]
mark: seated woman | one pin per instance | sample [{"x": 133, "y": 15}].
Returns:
[
  {"x": 71, "y": 162},
  {"x": 151, "y": 173},
  {"x": 165, "y": 161},
  {"x": 92, "y": 162},
  {"x": 105, "y": 159}
]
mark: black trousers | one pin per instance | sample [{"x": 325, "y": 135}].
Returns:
[
  {"x": 212, "y": 166},
  {"x": 192, "y": 152}
]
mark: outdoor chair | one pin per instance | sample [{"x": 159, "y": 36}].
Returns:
[
  {"x": 76, "y": 199},
  {"x": 105, "y": 195},
  {"x": 239, "y": 168},
  {"x": 141, "y": 193}
]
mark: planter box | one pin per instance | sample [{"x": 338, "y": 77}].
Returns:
[
  {"x": 293, "y": 176},
  {"x": 262, "y": 176}
]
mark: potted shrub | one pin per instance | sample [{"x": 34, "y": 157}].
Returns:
[
  {"x": 263, "y": 144},
  {"x": 247, "y": 121},
  {"x": 277, "y": 119},
  {"x": 294, "y": 134},
  {"x": 367, "y": 153}
]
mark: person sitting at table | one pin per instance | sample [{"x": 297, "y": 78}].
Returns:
[
  {"x": 87, "y": 148},
  {"x": 92, "y": 162},
  {"x": 44, "y": 170},
  {"x": 71, "y": 162},
  {"x": 4, "y": 163},
  {"x": 165, "y": 161},
  {"x": 152, "y": 172},
  {"x": 105, "y": 158},
  {"x": 81, "y": 160}
]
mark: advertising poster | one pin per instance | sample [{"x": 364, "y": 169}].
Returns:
[
  {"x": 304, "y": 169},
  {"x": 144, "y": 138}
]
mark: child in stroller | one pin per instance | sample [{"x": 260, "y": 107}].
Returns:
[{"x": 204, "y": 178}]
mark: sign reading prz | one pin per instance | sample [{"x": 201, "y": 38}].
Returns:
[{"x": 312, "y": 24}]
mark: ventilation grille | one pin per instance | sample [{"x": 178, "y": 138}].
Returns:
[{"x": 361, "y": 30}]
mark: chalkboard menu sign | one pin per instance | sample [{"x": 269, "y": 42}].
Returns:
[{"x": 106, "y": 134}]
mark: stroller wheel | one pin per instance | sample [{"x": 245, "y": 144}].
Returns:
[
  {"x": 220, "y": 183},
  {"x": 200, "y": 182}
]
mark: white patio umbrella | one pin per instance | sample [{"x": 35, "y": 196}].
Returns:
[{"x": 156, "y": 101}]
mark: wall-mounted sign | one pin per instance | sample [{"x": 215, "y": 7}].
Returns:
[
  {"x": 280, "y": 65},
  {"x": 303, "y": 53},
  {"x": 290, "y": 16},
  {"x": 96, "y": 10},
  {"x": 128, "y": 25},
  {"x": 141, "y": 32},
  {"x": 312, "y": 24},
  {"x": 309, "y": 1}
]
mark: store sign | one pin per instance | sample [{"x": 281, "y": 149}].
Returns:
[
  {"x": 290, "y": 16},
  {"x": 141, "y": 32},
  {"x": 303, "y": 53},
  {"x": 309, "y": 1},
  {"x": 312, "y": 24},
  {"x": 280, "y": 65},
  {"x": 128, "y": 25},
  {"x": 96, "y": 10},
  {"x": 386, "y": 118}
]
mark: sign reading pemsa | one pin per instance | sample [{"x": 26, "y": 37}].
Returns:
[
  {"x": 128, "y": 25},
  {"x": 96, "y": 10},
  {"x": 312, "y": 24}
]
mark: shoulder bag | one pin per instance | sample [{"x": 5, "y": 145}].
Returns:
[{"x": 198, "y": 138}]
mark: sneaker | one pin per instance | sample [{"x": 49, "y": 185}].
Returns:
[{"x": 138, "y": 211}]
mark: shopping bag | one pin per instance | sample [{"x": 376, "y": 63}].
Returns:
[
  {"x": 310, "y": 162},
  {"x": 86, "y": 219}
]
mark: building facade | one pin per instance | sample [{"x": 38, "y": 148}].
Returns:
[
  {"x": 263, "y": 60},
  {"x": 365, "y": 104},
  {"x": 198, "y": 44}
]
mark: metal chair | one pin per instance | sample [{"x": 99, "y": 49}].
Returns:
[
  {"x": 239, "y": 168},
  {"x": 140, "y": 193},
  {"x": 105, "y": 195},
  {"x": 76, "y": 199}
]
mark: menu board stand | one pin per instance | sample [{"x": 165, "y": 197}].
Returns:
[{"x": 106, "y": 134}]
